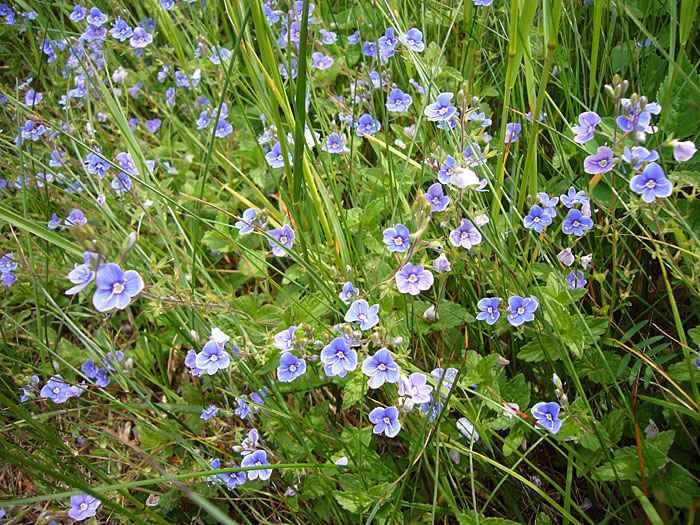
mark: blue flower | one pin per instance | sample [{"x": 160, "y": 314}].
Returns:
[
  {"x": 415, "y": 387},
  {"x": 212, "y": 358},
  {"x": 601, "y": 162},
  {"x": 522, "y": 310},
  {"x": 489, "y": 310},
  {"x": 413, "y": 39},
  {"x": 435, "y": 197},
  {"x": 442, "y": 264},
  {"x": 398, "y": 101},
  {"x": 466, "y": 235},
  {"x": 512, "y": 132},
  {"x": 102, "y": 378},
  {"x": 587, "y": 123},
  {"x": 380, "y": 368},
  {"x": 547, "y": 415},
  {"x": 337, "y": 358},
  {"x": 369, "y": 49},
  {"x": 348, "y": 293},
  {"x": 548, "y": 203},
  {"x": 223, "y": 129},
  {"x": 141, "y": 38},
  {"x": 321, "y": 61},
  {"x": 121, "y": 183},
  {"x": 257, "y": 459},
  {"x": 96, "y": 17},
  {"x": 191, "y": 363},
  {"x": 328, "y": 37},
  {"x": 574, "y": 197},
  {"x": 482, "y": 2},
  {"x": 96, "y": 165},
  {"x": 432, "y": 408},
  {"x": 367, "y": 125},
  {"x": 441, "y": 110},
  {"x": 361, "y": 312},
  {"x": 354, "y": 38},
  {"x": 576, "y": 223},
  {"x": 639, "y": 155},
  {"x": 245, "y": 226},
  {"x": 219, "y": 54},
  {"x": 121, "y": 30},
  {"x": 83, "y": 506},
  {"x": 203, "y": 121},
  {"x": 445, "y": 379},
  {"x": 56, "y": 389},
  {"x": 275, "y": 158},
  {"x": 397, "y": 238},
  {"x": 334, "y": 144},
  {"x": 81, "y": 275},
  {"x": 448, "y": 169},
  {"x": 682, "y": 151},
  {"x": 244, "y": 409},
  {"x": 208, "y": 413},
  {"x": 537, "y": 219},
  {"x": 413, "y": 279},
  {"x": 576, "y": 280},
  {"x": 652, "y": 183},
  {"x": 7, "y": 263},
  {"x": 284, "y": 340},
  {"x": 283, "y": 236},
  {"x": 290, "y": 368},
  {"x": 387, "y": 43},
  {"x": 78, "y": 13},
  {"x": 115, "y": 288},
  {"x": 386, "y": 421}
]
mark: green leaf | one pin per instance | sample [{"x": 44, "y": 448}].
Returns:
[
  {"x": 675, "y": 487},
  {"x": 353, "y": 390}
]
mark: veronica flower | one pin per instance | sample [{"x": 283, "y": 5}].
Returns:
[
  {"x": 512, "y": 132},
  {"x": 115, "y": 288},
  {"x": 489, "y": 310},
  {"x": 257, "y": 459},
  {"x": 32, "y": 98},
  {"x": 547, "y": 415},
  {"x": 245, "y": 226},
  {"x": 387, "y": 43},
  {"x": 639, "y": 155},
  {"x": 380, "y": 368},
  {"x": 432, "y": 409},
  {"x": 208, "y": 413},
  {"x": 83, "y": 506},
  {"x": 153, "y": 125},
  {"x": 479, "y": 118},
  {"x": 603, "y": 161},
  {"x": 89, "y": 369},
  {"x": 652, "y": 183},
  {"x": 466, "y": 235},
  {"x": 212, "y": 358},
  {"x": 386, "y": 421},
  {"x": 102, "y": 378},
  {"x": 354, "y": 38},
  {"x": 442, "y": 264},
  {"x": 435, "y": 197},
  {"x": 334, "y": 144},
  {"x": 191, "y": 363},
  {"x": 566, "y": 257},
  {"x": 682, "y": 151},
  {"x": 521, "y": 309},
  {"x": 290, "y": 367},
  {"x": 96, "y": 165},
  {"x": 249, "y": 444},
  {"x": 96, "y": 17},
  {"x": 413, "y": 39},
  {"x": 398, "y": 101},
  {"x": 348, "y": 293},
  {"x": 576, "y": 280},
  {"x": 321, "y": 61},
  {"x": 587, "y": 123},
  {"x": 78, "y": 13},
  {"x": 413, "y": 279},
  {"x": 219, "y": 54},
  {"x": 415, "y": 386},
  {"x": 441, "y": 110},
  {"x": 223, "y": 129},
  {"x": 283, "y": 236},
  {"x": 369, "y": 49},
  {"x": 482, "y": 2},
  {"x": 361, "y": 312},
  {"x": 574, "y": 197},
  {"x": 328, "y": 37},
  {"x": 537, "y": 219},
  {"x": 397, "y": 238},
  {"x": 141, "y": 38},
  {"x": 121, "y": 30},
  {"x": 576, "y": 223},
  {"x": 337, "y": 358},
  {"x": 121, "y": 183},
  {"x": 367, "y": 125},
  {"x": 56, "y": 389},
  {"x": 275, "y": 157},
  {"x": 466, "y": 428},
  {"x": 548, "y": 203},
  {"x": 81, "y": 275}
]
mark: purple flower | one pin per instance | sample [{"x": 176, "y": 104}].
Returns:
[
  {"x": 415, "y": 386},
  {"x": 537, "y": 219},
  {"x": 380, "y": 368},
  {"x": 574, "y": 197},
  {"x": 348, "y": 293},
  {"x": 413, "y": 279},
  {"x": 448, "y": 169},
  {"x": 257, "y": 459},
  {"x": 442, "y": 264},
  {"x": 141, "y": 38},
  {"x": 603, "y": 161},
  {"x": 386, "y": 421},
  {"x": 369, "y": 49},
  {"x": 435, "y": 197},
  {"x": 482, "y": 2},
  {"x": 78, "y": 13},
  {"x": 387, "y": 43},
  {"x": 548, "y": 204},
  {"x": 682, "y": 151},
  {"x": 334, "y": 144},
  {"x": 290, "y": 367},
  {"x": 354, "y": 38},
  {"x": 223, "y": 129},
  {"x": 81, "y": 275},
  {"x": 652, "y": 183},
  {"x": 397, "y": 238},
  {"x": 566, "y": 257},
  {"x": 576, "y": 280},
  {"x": 245, "y": 226},
  {"x": 89, "y": 369},
  {"x": 547, "y": 415},
  {"x": 360, "y": 311},
  {"x": 102, "y": 378},
  {"x": 432, "y": 409},
  {"x": 96, "y": 17},
  {"x": 413, "y": 39},
  {"x": 639, "y": 155},
  {"x": 83, "y": 506},
  {"x": 212, "y": 358},
  {"x": 367, "y": 125},
  {"x": 489, "y": 310},
  {"x": 56, "y": 389},
  {"x": 321, "y": 61},
  {"x": 522, "y": 309},
  {"x": 466, "y": 235},
  {"x": 284, "y": 340},
  {"x": 398, "y": 101},
  {"x": 587, "y": 123},
  {"x": 576, "y": 223},
  {"x": 7, "y": 263},
  {"x": 441, "y": 110},
  {"x": 96, "y": 164},
  {"x": 283, "y": 236},
  {"x": 275, "y": 158},
  {"x": 75, "y": 218},
  {"x": 512, "y": 131},
  {"x": 445, "y": 379},
  {"x": 115, "y": 288},
  {"x": 337, "y": 358},
  {"x": 191, "y": 363},
  {"x": 54, "y": 223},
  {"x": 121, "y": 30},
  {"x": 121, "y": 183},
  {"x": 153, "y": 125},
  {"x": 32, "y": 98},
  {"x": 479, "y": 118},
  {"x": 219, "y": 54},
  {"x": 208, "y": 413}
]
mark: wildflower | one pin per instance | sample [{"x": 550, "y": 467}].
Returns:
[
  {"x": 8, "y": 279},
  {"x": 479, "y": 118},
  {"x": 7, "y": 263},
  {"x": 576, "y": 280},
  {"x": 482, "y": 2},
  {"x": 652, "y": 183},
  {"x": 369, "y": 49},
  {"x": 78, "y": 13},
  {"x": 354, "y": 38},
  {"x": 257, "y": 459},
  {"x": 415, "y": 386},
  {"x": 537, "y": 219},
  {"x": 682, "y": 151},
  {"x": 283, "y": 236},
  {"x": 413, "y": 279},
  {"x": 441, "y": 110},
  {"x": 348, "y": 293},
  {"x": 81, "y": 275},
  {"x": 398, "y": 101},
  {"x": 244, "y": 409},
  {"x": 212, "y": 358},
  {"x": 290, "y": 368},
  {"x": 448, "y": 169},
  {"x": 386, "y": 421},
  {"x": 522, "y": 310},
  {"x": 435, "y": 197},
  {"x": 102, "y": 378},
  {"x": 512, "y": 131},
  {"x": 153, "y": 125},
  {"x": 32, "y": 98},
  {"x": 96, "y": 17},
  {"x": 328, "y": 37},
  {"x": 380, "y": 368},
  {"x": 387, "y": 43},
  {"x": 245, "y": 226},
  {"x": 203, "y": 121},
  {"x": 141, "y": 38},
  {"x": 638, "y": 155},
  {"x": 223, "y": 129},
  {"x": 121, "y": 30},
  {"x": 603, "y": 161},
  {"x": 432, "y": 409},
  {"x": 338, "y": 359},
  {"x": 413, "y": 39},
  {"x": 445, "y": 379},
  {"x": 547, "y": 415},
  {"x": 574, "y": 197},
  {"x": 360, "y": 311},
  {"x": 334, "y": 144},
  {"x": 83, "y": 506},
  {"x": 466, "y": 428},
  {"x": 587, "y": 123},
  {"x": 586, "y": 261},
  {"x": 442, "y": 264},
  {"x": 75, "y": 218},
  {"x": 576, "y": 223},
  {"x": 548, "y": 204},
  {"x": 56, "y": 389},
  {"x": 32, "y": 131},
  {"x": 367, "y": 125},
  {"x": 466, "y": 235},
  {"x": 397, "y": 238},
  {"x": 489, "y": 310},
  {"x": 321, "y": 61},
  {"x": 566, "y": 257},
  {"x": 219, "y": 54},
  {"x": 275, "y": 157},
  {"x": 96, "y": 165},
  {"x": 510, "y": 410},
  {"x": 208, "y": 413},
  {"x": 249, "y": 444}
]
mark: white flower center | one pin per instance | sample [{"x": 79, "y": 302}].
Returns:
[
  {"x": 283, "y": 239},
  {"x": 83, "y": 506},
  {"x": 386, "y": 420},
  {"x": 214, "y": 357},
  {"x": 651, "y": 184},
  {"x": 56, "y": 390},
  {"x": 521, "y": 310},
  {"x": 117, "y": 288},
  {"x": 381, "y": 367},
  {"x": 293, "y": 368},
  {"x": 412, "y": 278}
]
